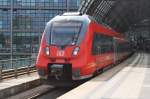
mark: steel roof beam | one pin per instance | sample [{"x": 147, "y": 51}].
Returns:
[{"x": 119, "y": 14}]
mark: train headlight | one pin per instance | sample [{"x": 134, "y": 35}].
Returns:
[
  {"x": 76, "y": 50},
  {"x": 47, "y": 51}
]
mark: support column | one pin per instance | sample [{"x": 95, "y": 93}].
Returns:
[
  {"x": 67, "y": 5},
  {"x": 11, "y": 31}
]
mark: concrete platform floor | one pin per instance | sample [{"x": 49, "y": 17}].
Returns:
[
  {"x": 6, "y": 83},
  {"x": 129, "y": 80},
  {"x": 13, "y": 86}
]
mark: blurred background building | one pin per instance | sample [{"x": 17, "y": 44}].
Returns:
[{"x": 22, "y": 23}]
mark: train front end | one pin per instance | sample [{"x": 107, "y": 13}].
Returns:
[{"x": 62, "y": 53}]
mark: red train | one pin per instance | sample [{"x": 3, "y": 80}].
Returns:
[{"x": 75, "y": 47}]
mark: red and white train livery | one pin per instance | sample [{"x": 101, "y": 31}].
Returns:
[{"x": 75, "y": 47}]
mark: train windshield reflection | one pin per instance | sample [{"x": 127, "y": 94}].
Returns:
[{"x": 65, "y": 33}]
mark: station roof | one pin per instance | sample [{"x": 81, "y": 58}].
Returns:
[{"x": 121, "y": 15}]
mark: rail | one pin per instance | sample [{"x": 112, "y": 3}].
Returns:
[{"x": 16, "y": 67}]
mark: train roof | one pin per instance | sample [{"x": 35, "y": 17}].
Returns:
[{"x": 76, "y": 16}]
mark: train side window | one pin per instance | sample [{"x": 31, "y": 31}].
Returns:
[
  {"x": 106, "y": 44},
  {"x": 102, "y": 44},
  {"x": 94, "y": 45}
]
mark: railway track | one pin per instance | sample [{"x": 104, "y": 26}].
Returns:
[
  {"x": 42, "y": 92},
  {"x": 38, "y": 95}
]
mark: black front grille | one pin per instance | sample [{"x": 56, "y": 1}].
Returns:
[{"x": 66, "y": 72}]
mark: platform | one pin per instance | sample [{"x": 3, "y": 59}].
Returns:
[
  {"x": 129, "y": 80},
  {"x": 13, "y": 86}
]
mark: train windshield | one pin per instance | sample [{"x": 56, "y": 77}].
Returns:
[{"x": 65, "y": 33}]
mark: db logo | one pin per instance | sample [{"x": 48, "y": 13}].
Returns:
[{"x": 60, "y": 53}]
